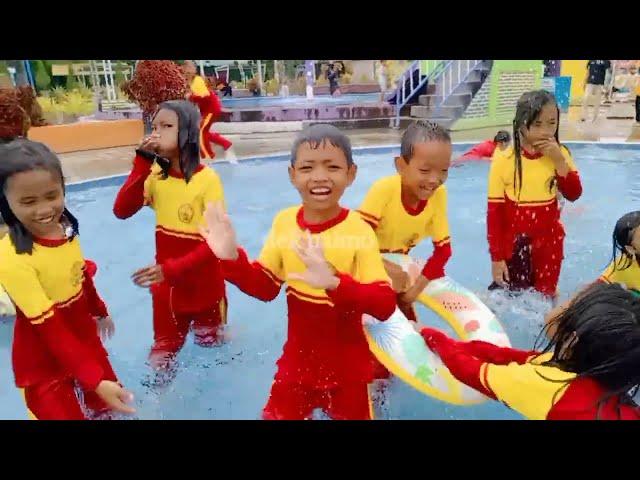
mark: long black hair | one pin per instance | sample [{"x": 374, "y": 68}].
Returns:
[
  {"x": 622, "y": 236},
  {"x": 188, "y": 136},
  {"x": 528, "y": 109},
  {"x": 598, "y": 336},
  {"x": 22, "y": 155}
]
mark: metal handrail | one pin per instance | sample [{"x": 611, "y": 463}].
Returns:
[{"x": 402, "y": 96}]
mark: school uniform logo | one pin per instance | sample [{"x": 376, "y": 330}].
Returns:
[{"x": 185, "y": 213}]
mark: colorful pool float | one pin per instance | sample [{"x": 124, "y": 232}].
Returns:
[{"x": 401, "y": 349}]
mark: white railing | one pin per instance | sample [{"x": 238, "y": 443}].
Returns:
[
  {"x": 456, "y": 72},
  {"x": 427, "y": 70}
]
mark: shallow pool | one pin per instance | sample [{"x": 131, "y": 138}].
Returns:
[
  {"x": 233, "y": 380},
  {"x": 251, "y": 103}
]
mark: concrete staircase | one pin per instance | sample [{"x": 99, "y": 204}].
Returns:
[{"x": 452, "y": 92}]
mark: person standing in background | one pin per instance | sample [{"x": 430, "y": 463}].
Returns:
[{"x": 596, "y": 73}]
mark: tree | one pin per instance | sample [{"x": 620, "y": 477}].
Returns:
[
  {"x": 72, "y": 82},
  {"x": 154, "y": 82},
  {"x": 43, "y": 80}
]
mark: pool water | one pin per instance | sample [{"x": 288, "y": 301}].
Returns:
[
  {"x": 251, "y": 103},
  {"x": 232, "y": 381}
]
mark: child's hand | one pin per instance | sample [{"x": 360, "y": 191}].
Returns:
[
  {"x": 500, "y": 273},
  {"x": 106, "y": 328},
  {"x": 115, "y": 396},
  {"x": 150, "y": 143},
  {"x": 551, "y": 149},
  {"x": 147, "y": 276},
  {"x": 319, "y": 274},
  {"x": 219, "y": 233},
  {"x": 399, "y": 278},
  {"x": 410, "y": 295}
]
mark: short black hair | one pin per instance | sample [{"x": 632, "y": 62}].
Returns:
[
  {"x": 502, "y": 136},
  {"x": 23, "y": 155},
  {"x": 419, "y": 132},
  {"x": 317, "y": 135}
]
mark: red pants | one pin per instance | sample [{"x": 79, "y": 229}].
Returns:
[
  {"x": 170, "y": 328},
  {"x": 291, "y": 401},
  {"x": 536, "y": 263},
  {"x": 207, "y": 137},
  {"x": 57, "y": 399}
]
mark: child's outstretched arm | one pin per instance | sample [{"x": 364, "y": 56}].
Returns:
[
  {"x": 131, "y": 196},
  {"x": 260, "y": 279}
]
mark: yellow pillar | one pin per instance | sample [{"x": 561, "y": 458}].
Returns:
[{"x": 577, "y": 70}]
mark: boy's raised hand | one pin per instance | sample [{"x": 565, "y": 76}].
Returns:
[
  {"x": 219, "y": 233},
  {"x": 319, "y": 273}
]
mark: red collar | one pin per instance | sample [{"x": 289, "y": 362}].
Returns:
[
  {"x": 320, "y": 227},
  {"x": 46, "y": 242},
  {"x": 531, "y": 156},
  {"x": 413, "y": 211},
  {"x": 174, "y": 174}
]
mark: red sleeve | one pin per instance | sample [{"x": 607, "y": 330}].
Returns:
[
  {"x": 434, "y": 268},
  {"x": 72, "y": 355},
  {"x": 130, "y": 198},
  {"x": 376, "y": 299},
  {"x": 465, "y": 367},
  {"x": 174, "y": 268},
  {"x": 488, "y": 352},
  {"x": 251, "y": 277},
  {"x": 495, "y": 221},
  {"x": 570, "y": 186},
  {"x": 96, "y": 304},
  {"x": 482, "y": 150}
]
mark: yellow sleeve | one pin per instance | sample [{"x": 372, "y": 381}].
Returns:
[
  {"x": 21, "y": 283},
  {"x": 569, "y": 159},
  {"x": 528, "y": 389},
  {"x": 214, "y": 191},
  {"x": 609, "y": 274},
  {"x": 496, "y": 182},
  {"x": 271, "y": 254},
  {"x": 439, "y": 226},
  {"x": 369, "y": 266},
  {"x": 150, "y": 184},
  {"x": 375, "y": 201},
  {"x": 199, "y": 87}
]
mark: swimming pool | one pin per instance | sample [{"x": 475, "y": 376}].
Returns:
[
  {"x": 253, "y": 103},
  {"x": 233, "y": 380}
]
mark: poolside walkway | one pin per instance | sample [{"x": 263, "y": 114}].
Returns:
[{"x": 90, "y": 164}]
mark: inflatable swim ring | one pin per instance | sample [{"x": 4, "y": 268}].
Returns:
[{"x": 402, "y": 350}]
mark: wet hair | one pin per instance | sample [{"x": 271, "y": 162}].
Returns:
[
  {"x": 188, "y": 136},
  {"x": 528, "y": 110},
  {"x": 22, "y": 155},
  {"x": 419, "y": 132},
  {"x": 598, "y": 336},
  {"x": 319, "y": 134},
  {"x": 502, "y": 136},
  {"x": 622, "y": 236}
]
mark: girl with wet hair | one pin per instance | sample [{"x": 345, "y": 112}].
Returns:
[{"x": 186, "y": 283}]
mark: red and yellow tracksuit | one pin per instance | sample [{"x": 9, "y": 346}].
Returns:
[
  {"x": 400, "y": 227},
  {"x": 325, "y": 361},
  {"x": 193, "y": 288},
  {"x": 56, "y": 342},
  {"x": 210, "y": 107},
  {"x": 522, "y": 381},
  {"x": 524, "y": 228},
  {"x": 629, "y": 277}
]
